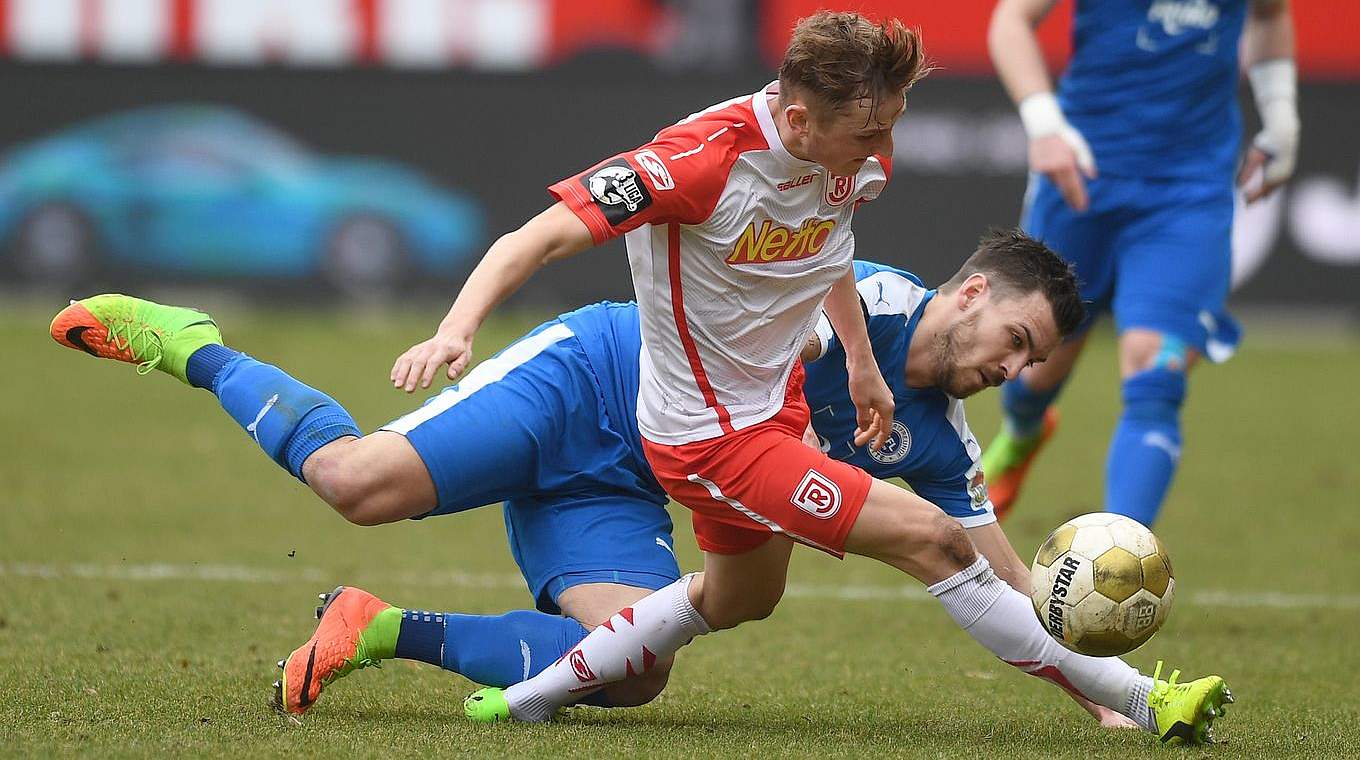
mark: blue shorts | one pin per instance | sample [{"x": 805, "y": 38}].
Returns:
[
  {"x": 1158, "y": 253},
  {"x": 528, "y": 427}
]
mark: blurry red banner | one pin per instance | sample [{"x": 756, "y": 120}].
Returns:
[
  {"x": 955, "y": 32},
  {"x": 522, "y": 35}
]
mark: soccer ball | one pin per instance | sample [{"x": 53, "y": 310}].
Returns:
[{"x": 1102, "y": 584}]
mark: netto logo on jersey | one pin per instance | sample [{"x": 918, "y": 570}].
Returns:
[
  {"x": 772, "y": 242},
  {"x": 897, "y": 447}
]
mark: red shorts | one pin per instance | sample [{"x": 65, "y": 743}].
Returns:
[{"x": 747, "y": 485}]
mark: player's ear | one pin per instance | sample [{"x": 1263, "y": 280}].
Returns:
[
  {"x": 798, "y": 117},
  {"x": 974, "y": 288}
]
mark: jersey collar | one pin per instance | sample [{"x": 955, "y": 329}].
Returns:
[{"x": 760, "y": 104}]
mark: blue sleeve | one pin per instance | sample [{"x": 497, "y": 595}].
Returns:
[{"x": 958, "y": 496}]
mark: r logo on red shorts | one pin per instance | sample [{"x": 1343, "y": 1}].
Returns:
[{"x": 817, "y": 495}]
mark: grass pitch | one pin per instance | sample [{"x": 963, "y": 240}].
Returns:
[{"x": 154, "y": 565}]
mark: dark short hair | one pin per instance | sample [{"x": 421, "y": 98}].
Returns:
[
  {"x": 840, "y": 58},
  {"x": 1016, "y": 264}
]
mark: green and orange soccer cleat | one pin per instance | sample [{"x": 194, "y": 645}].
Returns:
[
  {"x": 357, "y": 630},
  {"x": 1007, "y": 460},
  {"x": 133, "y": 330},
  {"x": 1185, "y": 712}
]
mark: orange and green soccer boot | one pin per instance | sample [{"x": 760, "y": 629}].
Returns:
[
  {"x": 1185, "y": 712},
  {"x": 357, "y": 629},
  {"x": 133, "y": 330},
  {"x": 1006, "y": 462}
]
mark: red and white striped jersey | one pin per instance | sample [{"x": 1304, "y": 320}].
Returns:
[{"x": 733, "y": 245}]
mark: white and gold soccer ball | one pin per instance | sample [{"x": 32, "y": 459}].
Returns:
[{"x": 1102, "y": 584}]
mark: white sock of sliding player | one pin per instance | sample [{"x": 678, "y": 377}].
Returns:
[
  {"x": 1002, "y": 620},
  {"x": 626, "y": 644}
]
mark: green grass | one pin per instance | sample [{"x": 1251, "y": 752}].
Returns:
[{"x": 108, "y": 476}]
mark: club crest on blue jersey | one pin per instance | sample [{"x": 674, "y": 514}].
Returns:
[{"x": 897, "y": 447}]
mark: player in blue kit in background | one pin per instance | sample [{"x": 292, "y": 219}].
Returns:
[
  {"x": 547, "y": 426},
  {"x": 1132, "y": 166}
]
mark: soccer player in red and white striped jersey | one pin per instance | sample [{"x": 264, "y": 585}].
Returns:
[{"x": 737, "y": 223}]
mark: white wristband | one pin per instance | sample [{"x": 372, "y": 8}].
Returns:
[
  {"x": 1274, "y": 84},
  {"x": 1276, "y": 79},
  {"x": 1041, "y": 115}
]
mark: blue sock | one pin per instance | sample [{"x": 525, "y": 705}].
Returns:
[
  {"x": 1024, "y": 407},
  {"x": 500, "y": 650},
  {"x": 287, "y": 419},
  {"x": 421, "y": 637},
  {"x": 1147, "y": 444}
]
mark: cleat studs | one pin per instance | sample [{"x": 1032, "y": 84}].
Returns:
[
  {"x": 278, "y": 684},
  {"x": 323, "y": 596},
  {"x": 281, "y": 664},
  {"x": 319, "y": 611}
]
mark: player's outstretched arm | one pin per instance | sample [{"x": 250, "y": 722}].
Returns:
[
  {"x": 873, "y": 400},
  {"x": 1056, "y": 148},
  {"x": 1268, "y": 58},
  {"x": 554, "y": 234}
]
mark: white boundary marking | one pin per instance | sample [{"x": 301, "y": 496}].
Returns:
[{"x": 849, "y": 593}]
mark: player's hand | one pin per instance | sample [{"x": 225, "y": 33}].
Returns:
[
  {"x": 420, "y": 362},
  {"x": 811, "y": 439},
  {"x": 1268, "y": 165},
  {"x": 873, "y": 407},
  {"x": 1065, "y": 158}
]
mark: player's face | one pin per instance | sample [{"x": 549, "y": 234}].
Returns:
[
  {"x": 843, "y": 140},
  {"x": 992, "y": 339}
]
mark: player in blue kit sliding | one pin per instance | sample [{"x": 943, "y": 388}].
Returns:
[
  {"x": 1132, "y": 181},
  {"x": 552, "y": 434}
]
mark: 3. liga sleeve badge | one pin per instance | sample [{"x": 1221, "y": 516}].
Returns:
[
  {"x": 617, "y": 191},
  {"x": 1101, "y": 584}
]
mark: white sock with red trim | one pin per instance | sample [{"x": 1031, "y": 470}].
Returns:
[
  {"x": 1002, "y": 619},
  {"x": 626, "y": 644}
]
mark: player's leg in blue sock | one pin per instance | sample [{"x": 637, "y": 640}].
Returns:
[
  {"x": 287, "y": 419},
  {"x": 493, "y": 650},
  {"x": 1147, "y": 441}
]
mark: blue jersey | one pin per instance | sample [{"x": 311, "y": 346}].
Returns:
[
  {"x": 931, "y": 447},
  {"x": 1152, "y": 86}
]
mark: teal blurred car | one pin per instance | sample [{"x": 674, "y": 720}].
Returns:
[{"x": 192, "y": 191}]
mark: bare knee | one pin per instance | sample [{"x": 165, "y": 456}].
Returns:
[
  {"x": 354, "y": 490},
  {"x": 372, "y": 480},
  {"x": 729, "y": 611},
  {"x": 953, "y": 542},
  {"x": 928, "y": 547}
]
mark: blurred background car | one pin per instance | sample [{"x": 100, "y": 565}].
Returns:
[{"x": 199, "y": 191}]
